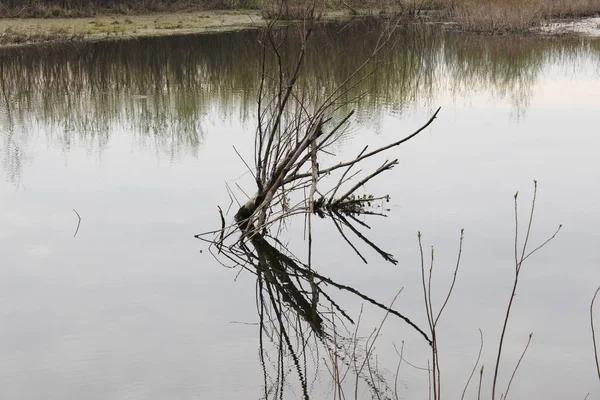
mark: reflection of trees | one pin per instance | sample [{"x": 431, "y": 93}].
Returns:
[
  {"x": 507, "y": 66},
  {"x": 161, "y": 89}
]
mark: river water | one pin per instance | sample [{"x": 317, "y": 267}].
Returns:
[{"x": 136, "y": 137}]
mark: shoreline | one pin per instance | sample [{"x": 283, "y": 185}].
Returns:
[
  {"x": 31, "y": 31},
  {"x": 16, "y": 32}
]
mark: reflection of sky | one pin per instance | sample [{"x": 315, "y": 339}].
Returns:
[
  {"x": 129, "y": 309},
  {"x": 462, "y": 173}
]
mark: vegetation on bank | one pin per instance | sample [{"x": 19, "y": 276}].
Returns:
[
  {"x": 504, "y": 16},
  {"x": 34, "y": 21},
  {"x": 108, "y": 27},
  {"x": 474, "y": 13},
  {"x": 90, "y": 8}
]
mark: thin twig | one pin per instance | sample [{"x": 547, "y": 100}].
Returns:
[
  {"x": 78, "y": 222},
  {"x": 401, "y": 353},
  {"x": 474, "y": 366},
  {"x": 244, "y": 161},
  {"x": 339, "y": 184},
  {"x": 348, "y": 240},
  {"x": 386, "y": 256},
  {"x": 460, "y": 245},
  {"x": 517, "y": 366},
  {"x": 518, "y": 265},
  {"x": 594, "y": 331},
  {"x": 479, "y": 386},
  {"x": 370, "y": 154},
  {"x": 543, "y": 244},
  {"x": 222, "y": 233},
  {"x": 384, "y": 167}
]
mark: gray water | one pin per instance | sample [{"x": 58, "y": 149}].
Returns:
[{"x": 137, "y": 137}]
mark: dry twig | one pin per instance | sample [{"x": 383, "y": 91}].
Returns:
[{"x": 594, "y": 332}]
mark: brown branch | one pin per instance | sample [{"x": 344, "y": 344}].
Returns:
[
  {"x": 474, "y": 366},
  {"x": 384, "y": 167},
  {"x": 480, "y": 380},
  {"x": 517, "y": 366},
  {"x": 379, "y": 150},
  {"x": 518, "y": 265},
  {"x": 543, "y": 244},
  {"x": 244, "y": 161},
  {"x": 322, "y": 143},
  {"x": 288, "y": 90},
  {"x": 535, "y": 186},
  {"x": 339, "y": 184},
  {"x": 219, "y": 244},
  {"x": 462, "y": 231}
]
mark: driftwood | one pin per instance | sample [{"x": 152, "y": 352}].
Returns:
[{"x": 291, "y": 136}]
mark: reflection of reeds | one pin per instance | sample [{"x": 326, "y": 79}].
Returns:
[{"x": 163, "y": 88}]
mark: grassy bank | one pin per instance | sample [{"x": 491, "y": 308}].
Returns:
[
  {"x": 37, "y": 21},
  {"x": 26, "y": 22},
  {"x": 116, "y": 26}
]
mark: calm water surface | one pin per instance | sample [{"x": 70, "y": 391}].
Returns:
[{"x": 137, "y": 137}]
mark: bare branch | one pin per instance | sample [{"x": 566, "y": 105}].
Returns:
[
  {"x": 78, "y": 222},
  {"x": 517, "y": 366},
  {"x": 474, "y": 367},
  {"x": 374, "y": 152},
  {"x": 594, "y": 332}
]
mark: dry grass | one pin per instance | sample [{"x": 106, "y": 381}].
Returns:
[
  {"x": 500, "y": 16},
  {"x": 36, "y": 30},
  {"x": 290, "y": 10},
  {"x": 11, "y": 36},
  {"x": 497, "y": 15},
  {"x": 89, "y": 8},
  {"x": 572, "y": 8}
]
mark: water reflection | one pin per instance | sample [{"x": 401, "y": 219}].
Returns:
[
  {"x": 129, "y": 309},
  {"x": 162, "y": 89}
]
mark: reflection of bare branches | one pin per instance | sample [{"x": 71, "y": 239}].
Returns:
[{"x": 354, "y": 358}]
